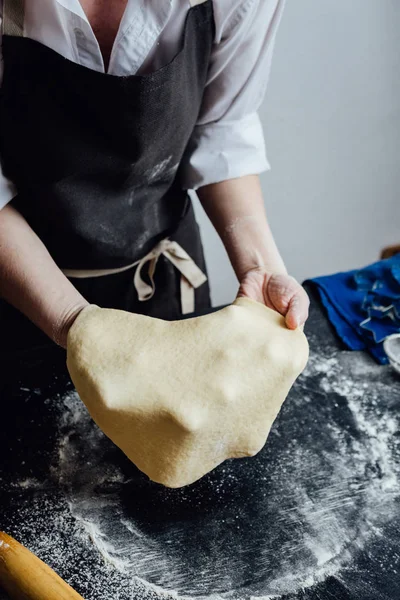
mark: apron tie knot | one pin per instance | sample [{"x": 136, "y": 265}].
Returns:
[{"x": 192, "y": 276}]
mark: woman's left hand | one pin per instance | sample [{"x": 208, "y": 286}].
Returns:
[{"x": 278, "y": 291}]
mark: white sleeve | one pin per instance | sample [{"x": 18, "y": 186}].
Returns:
[
  {"x": 7, "y": 188},
  {"x": 228, "y": 139}
]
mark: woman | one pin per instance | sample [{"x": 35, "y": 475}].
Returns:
[{"x": 110, "y": 111}]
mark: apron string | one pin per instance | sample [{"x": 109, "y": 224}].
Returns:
[
  {"x": 192, "y": 276},
  {"x": 13, "y": 17}
]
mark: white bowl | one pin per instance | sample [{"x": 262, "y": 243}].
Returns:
[{"x": 392, "y": 349}]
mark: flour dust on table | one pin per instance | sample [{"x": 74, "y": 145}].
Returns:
[{"x": 322, "y": 496}]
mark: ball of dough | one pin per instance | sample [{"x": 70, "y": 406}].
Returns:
[{"x": 181, "y": 397}]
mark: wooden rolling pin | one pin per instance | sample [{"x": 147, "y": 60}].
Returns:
[{"x": 25, "y": 577}]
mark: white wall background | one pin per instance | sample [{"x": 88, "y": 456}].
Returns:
[{"x": 332, "y": 127}]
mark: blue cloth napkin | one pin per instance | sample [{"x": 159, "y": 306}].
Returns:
[{"x": 364, "y": 305}]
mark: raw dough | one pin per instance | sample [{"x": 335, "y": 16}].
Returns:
[{"x": 181, "y": 397}]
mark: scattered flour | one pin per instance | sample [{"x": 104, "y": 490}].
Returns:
[{"x": 325, "y": 487}]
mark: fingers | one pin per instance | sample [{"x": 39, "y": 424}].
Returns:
[
  {"x": 290, "y": 299},
  {"x": 280, "y": 292}
]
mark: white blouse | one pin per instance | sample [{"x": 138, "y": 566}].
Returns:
[{"x": 227, "y": 141}]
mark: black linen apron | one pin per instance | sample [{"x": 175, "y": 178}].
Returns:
[{"x": 95, "y": 161}]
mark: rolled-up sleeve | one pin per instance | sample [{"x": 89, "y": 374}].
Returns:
[
  {"x": 7, "y": 191},
  {"x": 228, "y": 140}
]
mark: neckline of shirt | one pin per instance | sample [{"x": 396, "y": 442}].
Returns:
[{"x": 144, "y": 32}]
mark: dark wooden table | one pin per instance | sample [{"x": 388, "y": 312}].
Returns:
[{"x": 316, "y": 515}]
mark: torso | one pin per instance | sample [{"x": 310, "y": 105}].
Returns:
[{"x": 104, "y": 17}]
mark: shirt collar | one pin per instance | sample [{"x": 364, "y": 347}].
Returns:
[{"x": 73, "y": 6}]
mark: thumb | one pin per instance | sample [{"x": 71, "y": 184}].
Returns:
[{"x": 297, "y": 313}]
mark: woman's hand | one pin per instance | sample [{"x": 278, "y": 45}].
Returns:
[
  {"x": 236, "y": 209},
  {"x": 278, "y": 291}
]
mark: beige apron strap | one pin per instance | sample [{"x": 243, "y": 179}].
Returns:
[
  {"x": 191, "y": 276},
  {"x": 89, "y": 273},
  {"x": 196, "y": 2},
  {"x": 13, "y": 17}
]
